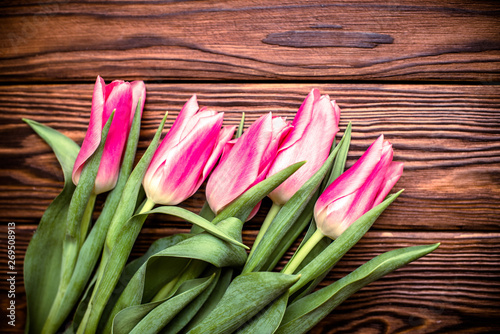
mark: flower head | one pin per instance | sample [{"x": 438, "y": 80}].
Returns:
[
  {"x": 186, "y": 155},
  {"x": 314, "y": 128},
  {"x": 359, "y": 189},
  {"x": 122, "y": 97},
  {"x": 246, "y": 161}
]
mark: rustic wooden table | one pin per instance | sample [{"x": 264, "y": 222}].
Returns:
[{"x": 425, "y": 73}]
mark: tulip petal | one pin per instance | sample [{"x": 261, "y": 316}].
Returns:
[
  {"x": 225, "y": 136},
  {"x": 228, "y": 181},
  {"x": 353, "y": 179},
  {"x": 172, "y": 182},
  {"x": 364, "y": 197},
  {"x": 189, "y": 109},
  {"x": 119, "y": 100},
  {"x": 302, "y": 119},
  {"x": 281, "y": 129},
  {"x": 392, "y": 175},
  {"x": 138, "y": 92},
  {"x": 93, "y": 135},
  {"x": 319, "y": 132}
]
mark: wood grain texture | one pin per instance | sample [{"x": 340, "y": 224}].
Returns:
[
  {"x": 447, "y": 136},
  {"x": 257, "y": 40},
  {"x": 377, "y": 59}
]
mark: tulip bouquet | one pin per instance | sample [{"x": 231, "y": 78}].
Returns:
[{"x": 206, "y": 281}]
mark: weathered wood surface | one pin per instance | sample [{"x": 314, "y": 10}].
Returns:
[
  {"x": 447, "y": 135},
  {"x": 422, "y": 72},
  {"x": 257, "y": 40}
]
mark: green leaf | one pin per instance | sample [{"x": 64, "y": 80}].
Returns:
[
  {"x": 64, "y": 148},
  {"x": 189, "y": 311},
  {"x": 256, "y": 290},
  {"x": 42, "y": 263},
  {"x": 290, "y": 236},
  {"x": 287, "y": 217},
  {"x": 268, "y": 320},
  {"x": 304, "y": 314},
  {"x": 122, "y": 233},
  {"x": 92, "y": 247},
  {"x": 243, "y": 205},
  {"x": 206, "y": 212},
  {"x": 197, "y": 220},
  {"x": 152, "y": 317},
  {"x": 216, "y": 295},
  {"x": 333, "y": 253},
  {"x": 72, "y": 240},
  {"x": 164, "y": 266},
  {"x": 339, "y": 164}
]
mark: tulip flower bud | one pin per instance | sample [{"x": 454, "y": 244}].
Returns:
[
  {"x": 246, "y": 161},
  {"x": 186, "y": 155},
  {"x": 314, "y": 128},
  {"x": 123, "y": 98},
  {"x": 358, "y": 190}
]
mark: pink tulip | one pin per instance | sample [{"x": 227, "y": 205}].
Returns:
[
  {"x": 246, "y": 162},
  {"x": 314, "y": 129},
  {"x": 122, "y": 97},
  {"x": 186, "y": 155},
  {"x": 359, "y": 189}
]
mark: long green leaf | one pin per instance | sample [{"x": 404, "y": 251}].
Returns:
[
  {"x": 268, "y": 320},
  {"x": 163, "y": 313},
  {"x": 114, "y": 259},
  {"x": 304, "y": 314},
  {"x": 290, "y": 236},
  {"x": 246, "y": 296},
  {"x": 190, "y": 310},
  {"x": 334, "y": 252},
  {"x": 92, "y": 247},
  {"x": 197, "y": 220},
  {"x": 216, "y": 295},
  {"x": 341, "y": 158},
  {"x": 65, "y": 149},
  {"x": 42, "y": 262}
]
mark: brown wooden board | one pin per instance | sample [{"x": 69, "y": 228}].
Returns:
[
  {"x": 447, "y": 136},
  {"x": 424, "y": 73},
  {"x": 257, "y": 40}
]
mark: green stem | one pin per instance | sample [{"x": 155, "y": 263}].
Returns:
[
  {"x": 99, "y": 300},
  {"x": 87, "y": 218},
  {"x": 146, "y": 206},
  {"x": 302, "y": 252},
  {"x": 265, "y": 225}
]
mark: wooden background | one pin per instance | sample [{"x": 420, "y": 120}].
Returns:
[{"x": 424, "y": 73}]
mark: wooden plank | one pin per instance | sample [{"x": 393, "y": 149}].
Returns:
[
  {"x": 272, "y": 40},
  {"x": 447, "y": 136},
  {"x": 454, "y": 289}
]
